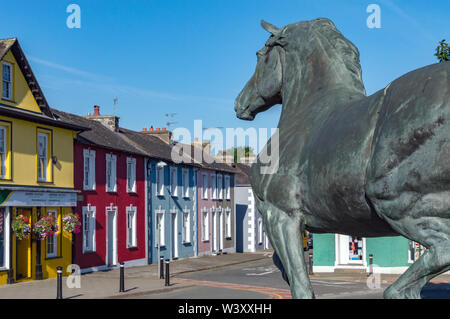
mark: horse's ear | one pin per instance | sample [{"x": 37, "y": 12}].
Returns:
[{"x": 270, "y": 28}]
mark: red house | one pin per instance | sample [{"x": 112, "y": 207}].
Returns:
[{"x": 109, "y": 172}]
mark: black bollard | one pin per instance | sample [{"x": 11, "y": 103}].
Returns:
[
  {"x": 122, "y": 278},
  {"x": 167, "y": 273},
  {"x": 370, "y": 265},
  {"x": 59, "y": 282},
  {"x": 161, "y": 267},
  {"x": 310, "y": 272}
]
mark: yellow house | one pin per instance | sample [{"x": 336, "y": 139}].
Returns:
[{"x": 36, "y": 171}]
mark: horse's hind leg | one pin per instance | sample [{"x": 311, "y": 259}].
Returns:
[{"x": 284, "y": 232}]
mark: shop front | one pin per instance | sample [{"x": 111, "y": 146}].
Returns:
[{"x": 23, "y": 254}]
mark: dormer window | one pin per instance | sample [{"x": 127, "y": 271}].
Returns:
[{"x": 7, "y": 81}]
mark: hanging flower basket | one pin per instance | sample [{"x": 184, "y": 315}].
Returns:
[
  {"x": 46, "y": 227},
  {"x": 71, "y": 223},
  {"x": 21, "y": 227}
]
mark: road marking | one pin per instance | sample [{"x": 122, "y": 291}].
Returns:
[{"x": 274, "y": 292}]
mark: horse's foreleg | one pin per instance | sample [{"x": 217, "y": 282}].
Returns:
[
  {"x": 284, "y": 232},
  {"x": 433, "y": 262}
]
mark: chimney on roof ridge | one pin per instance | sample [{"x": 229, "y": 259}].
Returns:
[
  {"x": 96, "y": 110},
  {"x": 110, "y": 121},
  {"x": 163, "y": 134},
  {"x": 205, "y": 146}
]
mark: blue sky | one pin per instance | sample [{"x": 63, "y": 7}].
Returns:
[{"x": 192, "y": 58}]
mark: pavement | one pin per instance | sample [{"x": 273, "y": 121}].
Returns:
[{"x": 144, "y": 280}]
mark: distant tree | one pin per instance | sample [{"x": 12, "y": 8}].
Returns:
[
  {"x": 443, "y": 51},
  {"x": 238, "y": 152}
]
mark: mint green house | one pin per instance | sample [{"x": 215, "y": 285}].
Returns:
[{"x": 391, "y": 255}]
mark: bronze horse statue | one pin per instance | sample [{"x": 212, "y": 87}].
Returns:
[{"x": 367, "y": 166}]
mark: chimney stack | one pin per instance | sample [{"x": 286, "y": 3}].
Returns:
[
  {"x": 163, "y": 134},
  {"x": 110, "y": 121},
  {"x": 205, "y": 146}
]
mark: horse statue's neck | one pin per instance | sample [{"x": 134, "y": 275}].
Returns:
[{"x": 315, "y": 83}]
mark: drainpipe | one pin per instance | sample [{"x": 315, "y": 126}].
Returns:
[{"x": 195, "y": 213}]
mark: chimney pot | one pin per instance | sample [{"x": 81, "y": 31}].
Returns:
[
  {"x": 151, "y": 129},
  {"x": 157, "y": 128},
  {"x": 164, "y": 129},
  {"x": 144, "y": 129},
  {"x": 96, "y": 110},
  {"x": 196, "y": 139}
]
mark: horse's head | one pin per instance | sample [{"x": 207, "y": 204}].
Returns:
[
  {"x": 318, "y": 48},
  {"x": 263, "y": 90}
]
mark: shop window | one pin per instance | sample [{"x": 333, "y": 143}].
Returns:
[
  {"x": 52, "y": 242},
  {"x": 355, "y": 248},
  {"x": 415, "y": 251}
]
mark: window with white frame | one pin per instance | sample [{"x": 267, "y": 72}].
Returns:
[
  {"x": 220, "y": 186},
  {"x": 131, "y": 226},
  {"x": 185, "y": 177},
  {"x": 260, "y": 231},
  {"x": 160, "y": 181},
  {"x": 227, "y": 187},
  {"x": 160, "y": 228},
  {"x": 415, "y": 251},
  {"x": 7, "y": 80},
  {"x": 111, "y": 171},
  {"x": 89, "y": 169},
  {"x": 88, "y": 229},
  {"x": 3, "y": 151},
  {"x": 228, "y": 223},
  {"x": 186, "y": 226},
  {"x": 205, "y": 224},
  {"x": 52, "y": 243},
  {"x": 213, "y": 186},
  {"x": 204, "y": 185},
  {"x": 174, "y": 181},
  {"x": 131, "y": 175},
  {"x": 42, "y": 156}
]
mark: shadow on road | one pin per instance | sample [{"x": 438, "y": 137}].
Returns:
[{"x": 436, "y": 291}]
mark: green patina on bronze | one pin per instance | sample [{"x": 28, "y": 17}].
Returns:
[{"x": 368, "y": 166}]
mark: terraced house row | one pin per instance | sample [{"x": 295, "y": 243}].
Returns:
[{"x": 134, "y": 202}]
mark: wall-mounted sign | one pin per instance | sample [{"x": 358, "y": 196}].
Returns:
[{"x": 29, "y": 198}]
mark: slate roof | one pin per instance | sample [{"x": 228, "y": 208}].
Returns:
[
  {"x": 13, "y": 45},
  {"x": 98, "y": 134},
  {"x": 242, "y": 173}
]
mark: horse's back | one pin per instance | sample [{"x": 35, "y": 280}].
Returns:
[{"x": 411, "y": 147}]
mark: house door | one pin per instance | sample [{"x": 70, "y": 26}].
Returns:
[
  {"x": 174, "y": 235},
  {"x": 220, "y": 230},
  {"x": 23, "y": 250},
  {"x": 111, "y": 251},
  {"x": 214, "y": 231}
]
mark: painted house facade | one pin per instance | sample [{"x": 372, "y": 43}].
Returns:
[
  {"x": 110, "y": 175},
  {"x": 216, "y": 211},
  {"x": 172, "y": 198},
  {"x": 250, "y": 233},
  {"x": 391, "y": 255},
  {"x": 36, "y": 172}
]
